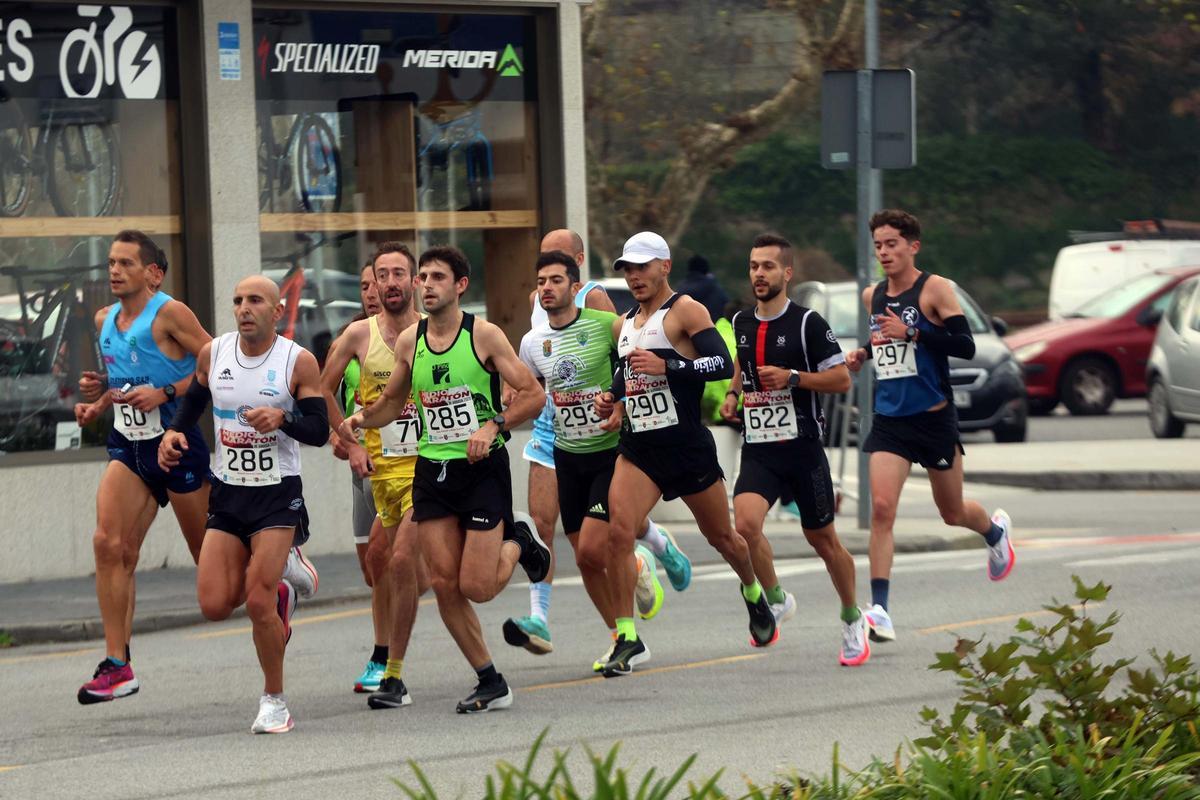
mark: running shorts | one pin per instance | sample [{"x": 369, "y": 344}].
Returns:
[
  {"x": 797, "y": 469},
  {"x": 393, "y": 499},
  {"x": 362, "y": 515},
  {"x": 540, "y": 447},
  {"x": 243, "y": 511},
  {"x": 583, "y": 480},
  {"x": 479, "y": 495},
  {"x": 142, "y": 459},
  {"x": 685, "y": 469},
  {"x": 930, "y": 438}
]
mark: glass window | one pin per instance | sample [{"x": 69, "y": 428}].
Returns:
[
  {"x": 377, "y": 126},
  {"x": 1118, "y": 300},
  {"x": 84, "y": 153}
]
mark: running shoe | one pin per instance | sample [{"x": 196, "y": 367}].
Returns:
[
  {"x": 649, "y": 592},
  {"x": 1001, "y": 555},
  {"x": 677, "y": 565},
  {"x": 625, "y": 656},
  {"x": 108, "y": 683},
  {"x": 285, "y": 605},
  {"x": 391, "y": 694},
  {"x": 880, "y": 624},
  {"x": 598, "y": 665},
  {"x": 301, "y": 574},
  {"x": 535, "y": 556},
  {"x": 372, "y": 674},
  {"x": 273, "y": 716},
  {"x": 528, "y": 632},
  {"x": 763, "y": 630},
  {"x": 487, "y": 698},
  {"x": 785, "y": 610},
  {"x": 856, "y": 643}
]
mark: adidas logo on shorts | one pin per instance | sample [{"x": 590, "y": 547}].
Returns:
[
  {"x": 597, "y": 509},
  {"x": 943, "y": 462}
]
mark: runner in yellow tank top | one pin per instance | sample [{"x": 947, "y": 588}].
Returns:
[{"x": 389, "y": 455}]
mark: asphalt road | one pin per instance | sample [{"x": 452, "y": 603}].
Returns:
[{"x": 706, "y": 691}]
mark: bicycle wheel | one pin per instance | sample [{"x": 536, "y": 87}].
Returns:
[
  {"x": 318, "y": 166},
  {"x": 83, "y": 170},
  {"x": 266, "y": 168},
  {"x": 16, "y": 161}
]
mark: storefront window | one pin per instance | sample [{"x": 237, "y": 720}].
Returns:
[
  {"x": 89, "y": 132},
  {"x": 372, "y": 126}
]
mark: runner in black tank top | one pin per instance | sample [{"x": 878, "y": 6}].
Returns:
[
  {"x": 668, "y": 348},
  {"x": 916, "y": 323}
]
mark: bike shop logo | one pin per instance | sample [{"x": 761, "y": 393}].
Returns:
[
  {"x": 505, "y": 62},
  {"x": 119, "y": 57},
  {"x": 317, "y": 57}
]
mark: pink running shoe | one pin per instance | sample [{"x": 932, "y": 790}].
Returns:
[
  {"x": 286, "y": 606},
  {"x": 108, "y": 683}
]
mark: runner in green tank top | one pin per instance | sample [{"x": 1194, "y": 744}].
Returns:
[{"x": 452, "y": 364}]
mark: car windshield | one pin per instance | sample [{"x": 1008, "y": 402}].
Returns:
[{"x": 1118, "y": 300}]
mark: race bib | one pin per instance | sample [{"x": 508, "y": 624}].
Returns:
[
  {"x": 770, "y": 416},
  {"x": 137, "y": 425},
  {"x": 894, "y": 358},
  {"x": 449, "y": 414},
  {"x": 400, "y": 436},
  {"x": 249, "y": 458},
  {"x": 649, "y": 403},
  {"x": 574, "y": 415}
]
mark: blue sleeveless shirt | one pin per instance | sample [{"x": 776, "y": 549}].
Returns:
[{"x": 902, "y": 397}]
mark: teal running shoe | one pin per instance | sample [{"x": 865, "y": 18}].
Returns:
[
  {"x": 530, "y": 633},
  {"x": 370, "y": 678},
  {"x": 679, "y": 569}
]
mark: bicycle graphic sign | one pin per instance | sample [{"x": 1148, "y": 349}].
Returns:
[{"x": 87, "y": 51}]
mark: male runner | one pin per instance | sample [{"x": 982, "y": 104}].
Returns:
[
  {"x": 389, "y": 456},
  {"x": 148, "y": 343},
  {"x": 668, "y": 348},
  {"x": 533, "y": 632},
  {"x": 916, "y": 324},
  {"x": 786, "y": 355},
  {"x": 452, "y": 364},
  {"x": 266, "y": 396}
]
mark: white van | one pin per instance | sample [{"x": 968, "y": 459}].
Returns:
[{"x": 1082, "y": 271}]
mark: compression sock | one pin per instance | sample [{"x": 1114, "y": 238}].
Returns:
[
  {"x": 653, "y": 538},
  {"x": 539, "y": 600},
  {"x": 394, "y": 665},
  {"x": 776, "y": 595},
  {"x": 487, "y": 674},
  {"x": 752, "y": 592},
  {"x": 625, "y": 627},
  {"x": 117, "y": 661},
  {"x": 380, "y": 654},
  {"x": 993, "y": 535},
  {"x": 850, "y": 613},
  {"x": 879, "y": 592}
]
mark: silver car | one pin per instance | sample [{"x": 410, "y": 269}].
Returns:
[{"x": 1173, "y": 372}]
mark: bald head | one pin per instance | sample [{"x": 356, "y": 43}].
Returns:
[
  {"x": 260, "y": 285},
  {"x": 565, "y": 240},
  {"x": 256, "y": 308}
]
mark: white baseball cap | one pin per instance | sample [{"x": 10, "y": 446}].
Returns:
[{"x": 642, "y": 248}]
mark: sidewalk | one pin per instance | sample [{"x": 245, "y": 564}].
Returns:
[{"x": 65, "y": 610}]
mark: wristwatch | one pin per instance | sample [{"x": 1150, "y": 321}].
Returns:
[
  {"x": 499, "y": 420},
  {"x": 169, "y": 391},
  {"x": 910, "y": 334},
  {"x": 794, "y": 380}
]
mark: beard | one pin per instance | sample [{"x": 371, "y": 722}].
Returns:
[
  {"x": 772, "y": 293},
  {"x": 396, "y": 303}
]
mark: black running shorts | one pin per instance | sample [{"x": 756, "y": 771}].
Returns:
[
  {"x": 930, "y": 438},
  {"x": 687, "y": 468},
  {"x": 583, "y": 480},
  {"x": 798, "y": 469},
  {"x": 479, "y": 494},
  {"x": 243, "y": 511}
]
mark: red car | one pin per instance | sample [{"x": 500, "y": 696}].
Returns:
[{"x": 1099, "y": 352}]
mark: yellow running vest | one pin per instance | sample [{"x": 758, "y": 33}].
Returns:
[{"x": 376, "y": 370}]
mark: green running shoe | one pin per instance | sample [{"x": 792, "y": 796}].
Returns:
[
  {"x": 530, "y": 633},
  {"x": 648, "y": 592}
]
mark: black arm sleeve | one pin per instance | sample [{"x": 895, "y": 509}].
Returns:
[
  {"x": 618, "y": 384},
  {"x": 712, "y": 362},
  {"x": 311, "y": 425},
  {"x": 191, "y": 406},
  {"x": 952, "y": 340}
]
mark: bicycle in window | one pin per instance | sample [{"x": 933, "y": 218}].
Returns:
[{"x": 307, "y": 164}]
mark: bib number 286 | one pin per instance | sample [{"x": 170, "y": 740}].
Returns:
[{"x": 255, "y": 466}]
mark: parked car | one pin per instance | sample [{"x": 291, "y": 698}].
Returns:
[
  {"x": 1173, "y": 374},
  {"x": 988, "y": 390},
  {"x": 1100, "y": 351},
  {"x": 618, "y": 292}
]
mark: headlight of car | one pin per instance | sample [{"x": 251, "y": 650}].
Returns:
[
  {"x": 1008, "y": 369},
  {"x": 1030, "y": 351}
]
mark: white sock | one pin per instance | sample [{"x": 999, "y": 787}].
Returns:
[
  {"x": 653, "y": 538},
  {"x": 539, "y": 600}
]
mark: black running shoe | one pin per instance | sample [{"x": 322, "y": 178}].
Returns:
[
  {"x": 625, "y": 656},
  {"x": 535, "y": 556},
  {"x": 391, "y": 694},
  {"x": 487, "y": 698},
  {"x": 763, "y": 630}
]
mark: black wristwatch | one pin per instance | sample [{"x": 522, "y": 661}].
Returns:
[
  {"x": 794, "y": 380},
  {"x": 910, "y": 334},
  {"x": 499, "y": 420},
  {"x": 169, "y": 391}
]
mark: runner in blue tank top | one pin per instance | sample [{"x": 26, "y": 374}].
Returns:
[
  {"x": 916, "y": 325},
  {"x": 148, "y": 342}
]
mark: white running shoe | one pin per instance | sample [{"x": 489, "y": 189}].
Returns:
[
  {"x": 880, "y": 624},
  {"x": 1001, "y": 555},
  {"x": 301, "y": 574},
  {"x": 648, "y": 592},
  {"x": 273, "y": 716},
  {"x": 856, "y": 644},
  {"x": 785, "y": 610},
  {"x": 598, "y": 665}
]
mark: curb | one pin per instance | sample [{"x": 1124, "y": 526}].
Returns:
[{"x": 1090, "y": 481}]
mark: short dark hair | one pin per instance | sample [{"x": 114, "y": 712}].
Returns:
[
  {"x": 775, "y": 240},
  {"x": 559, "y": 257},
  {"x": 384, "y": 248},
  {"x": 908, "y": 225},
  {"x": 455, "y": 258},
  {"x": 148, "y": 252}
]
